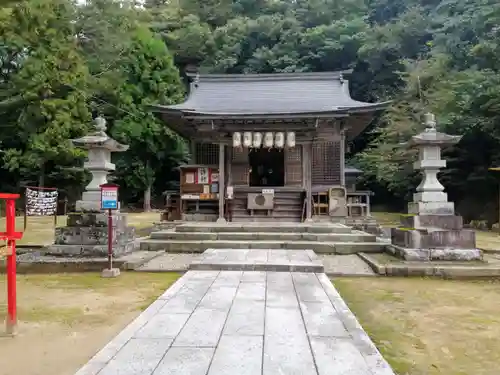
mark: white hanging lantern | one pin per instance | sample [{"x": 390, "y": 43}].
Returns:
[
  {"x": 268, "y": 140},
  {"x": 290, "y": 139},
  {"x": 236, "y": 140},
  {"x": 279, "y": 140},
  {"x": 247, "y": 139},
  {"x": 257, "y": 140}
]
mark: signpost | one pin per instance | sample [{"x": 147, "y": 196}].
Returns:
[
  {"x": 9, "y": 250},
  {"x": 109, "y": 202}
]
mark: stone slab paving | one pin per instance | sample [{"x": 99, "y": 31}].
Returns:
[
  {"x": 345, "y": 265},
  {"x": 168, "y": 262},
  {"x": 239, "y": 323},
  {"x": 258, "y": 260},
  {"x": 334, "y": 265}
]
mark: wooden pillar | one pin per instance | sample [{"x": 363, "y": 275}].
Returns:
[
  {"x": 222, "y": 188},
  {"x": 307, "y": 160},
  {"x": 342, "y": 157},
  {"x": 192, "y": 151}
]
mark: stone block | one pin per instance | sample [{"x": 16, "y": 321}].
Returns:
[
  {"x": 338, "y": 356},
  {"x": 431, "y": 238},
  {"x": 138, "y": 356},
  {"x": 108, "y": 273},
  {"x": 183, "y": 361},
  {"x": 431, "y": 208},
  {"x": 240, "y": 355},
  {"x": 452, "y": 222},
  {"x": 162, "y": 326},
  {"x": 203, "y": 329},
  {"x": 456, "y": 254}
]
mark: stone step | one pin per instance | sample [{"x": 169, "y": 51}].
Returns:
[
  {"x": 194, "y": 246},
  {"x": 355, "y": 236},
  {"x": 266, "y": 219},
  {"x": 256, "y": 266},
  {"x": 288, "y": 227}
]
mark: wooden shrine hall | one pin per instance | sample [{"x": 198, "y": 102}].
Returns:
[{"x": 266, "y": 147}]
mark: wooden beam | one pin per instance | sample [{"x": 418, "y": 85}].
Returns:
[{"x": 222, "y": 188}]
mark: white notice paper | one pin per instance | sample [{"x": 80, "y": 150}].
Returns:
[{"x": 189, "y": 178}]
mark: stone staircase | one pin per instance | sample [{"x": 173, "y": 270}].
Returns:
[{"x": 323, "y": 238}]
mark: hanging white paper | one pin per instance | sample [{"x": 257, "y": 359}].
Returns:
[
  {"x": 236, "y": 139},
  {"x": 268, "y": 140},
  {"x": 247, "y": 139},
  {"x": 257, "y": 140},
  {"x": 290, "y": 139},
  {"x": 279, "y": 140}
]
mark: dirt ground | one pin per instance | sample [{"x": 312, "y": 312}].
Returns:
[
  {"x": 66, "y": 319},
  {"x": 430, "y": 326}
]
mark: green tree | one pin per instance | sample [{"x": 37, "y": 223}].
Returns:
[
  {"x": 44, "y": 98},
  {"x": 150, "y": 78}
]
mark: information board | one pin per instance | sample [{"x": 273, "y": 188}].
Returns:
[
  {"x": 40, "y": 202},
  {"x": 109, "y": 197}
]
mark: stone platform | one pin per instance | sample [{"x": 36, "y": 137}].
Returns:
[
  {"x": 258, "y": 260},
  {"x": 235, "y": 322},
  {"x": 326, "y": 238}
]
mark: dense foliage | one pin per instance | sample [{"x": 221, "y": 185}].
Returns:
[{"x": 62, "y": 62}]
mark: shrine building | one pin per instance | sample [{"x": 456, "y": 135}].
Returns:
[{"x": 267, "y": 147}]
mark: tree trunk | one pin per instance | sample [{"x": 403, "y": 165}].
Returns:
[
  {"x": 41, "y": 176},
  {"x": 147, "y": 199}
]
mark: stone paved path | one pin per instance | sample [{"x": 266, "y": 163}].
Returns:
[
  {"x": 258, "y": 260},
  {"x": 338, "y": 265},
  {"x": 243, "y": 322}
]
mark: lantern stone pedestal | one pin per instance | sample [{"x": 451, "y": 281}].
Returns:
[
  {"x": 431, "y": 231},
  {"x": 86, "y": 230}
]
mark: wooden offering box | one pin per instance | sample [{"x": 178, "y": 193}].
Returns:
[{"x": 199, "y": 189}]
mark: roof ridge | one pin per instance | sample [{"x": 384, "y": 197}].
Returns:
[{"x": 270, "y": 76}]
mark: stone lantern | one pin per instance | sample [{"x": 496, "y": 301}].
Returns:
[
  {"x": 431, "y": 230},
  {"x": 99, "y": 146},
  {"x": 86, "y": 230}
]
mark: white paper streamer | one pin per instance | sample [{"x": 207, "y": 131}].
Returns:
[
  {"x": 257, "y": 140},
  {"x": 290, "y": 139},
  {"x": 268, "y": 140},
  {"x": 236, "y": 139},
  {"x": 247, "y": 139},
  {"x": 279, "y": 140}
]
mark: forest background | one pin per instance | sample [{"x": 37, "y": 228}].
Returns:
[{"x": 62, "y": 62}]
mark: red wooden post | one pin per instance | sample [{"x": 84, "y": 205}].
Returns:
[{"x": 10, "y": 235}]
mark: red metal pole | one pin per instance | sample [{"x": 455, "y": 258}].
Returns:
[
  {"x": 10, "y": 214},
  {"x": 110, "y": 240}
]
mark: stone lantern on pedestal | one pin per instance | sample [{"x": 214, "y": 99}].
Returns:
[
  {"x": 431, "y": 230},
  {"x": 86, "y": 231},
  {"x": 99, "y": 146}
]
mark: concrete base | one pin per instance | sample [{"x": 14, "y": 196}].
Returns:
[
  {"x": 10, "y": 329},
  {"x": 86, "y": 235},
  {"x": 431, "y": 208},
  {"x": 110, "y": 273},
  {"x": 425, "y": 255},
  {"x": 433, "y": 238}
]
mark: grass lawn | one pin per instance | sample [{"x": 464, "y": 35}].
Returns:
[
  {"x": 429, "y": 326},
  {"x": 65, "y": 319},
  {"x": 40, "y": 229},
  {"x": 486, "y": 240}
]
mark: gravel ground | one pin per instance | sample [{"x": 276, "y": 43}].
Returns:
[
  {"x": 339, "y": 265},
  {"x": 169, "y": 262},
  {"x": 345, "y": 265}
]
